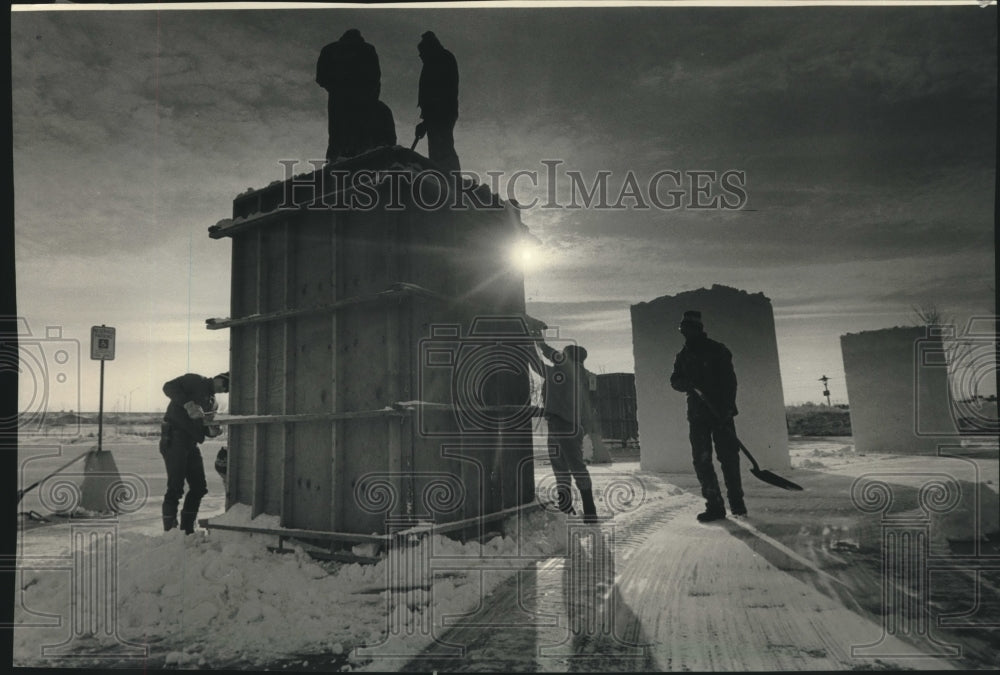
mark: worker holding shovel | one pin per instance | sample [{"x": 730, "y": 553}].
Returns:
[
  {"x": 704, "y": 370},
  {"x": 186, "y": 424}
]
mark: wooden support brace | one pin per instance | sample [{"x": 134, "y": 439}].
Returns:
[{"x": 396, "y": 291}]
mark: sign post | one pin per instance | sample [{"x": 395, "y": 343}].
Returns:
[{"x": 102, "y": 348}]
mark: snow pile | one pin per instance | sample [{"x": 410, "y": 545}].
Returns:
[
  {"x": 811, "y": 454},
  {"x": 219, "y": 598},
  {"x": 223, "y": 597}
]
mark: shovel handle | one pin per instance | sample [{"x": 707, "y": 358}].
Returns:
[
  {"x": 718, "y": 417},
  {"x": 756, "y": 467}
]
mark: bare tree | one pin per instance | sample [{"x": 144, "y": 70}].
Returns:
[{"x": 927, "y": 314}]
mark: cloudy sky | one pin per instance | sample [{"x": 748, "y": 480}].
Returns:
[{"x": 866, "y": 136}]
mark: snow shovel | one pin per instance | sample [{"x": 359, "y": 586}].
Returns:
[{"x": 762, "y": 474}]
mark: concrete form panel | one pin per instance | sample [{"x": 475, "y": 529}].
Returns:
[
  {"x": 894, "y": 390},
  {"x": 744, "y": 322},
  {"x": 615, "y": 405},
  {"x": 347, "y": 341},
  {"x": 310, "y": 479}
]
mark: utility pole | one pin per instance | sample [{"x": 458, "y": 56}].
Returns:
[{"x": 826, "y": 390}]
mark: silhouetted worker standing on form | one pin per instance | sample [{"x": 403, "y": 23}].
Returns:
[
  {"x": 349, "y": 71},
  {"x": 707, "y": 365},
  {"x": 438, "y": 101}
]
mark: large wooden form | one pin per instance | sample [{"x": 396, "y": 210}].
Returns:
[{"x": 368, "y": 383}]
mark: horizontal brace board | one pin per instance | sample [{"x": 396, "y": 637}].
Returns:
[
  {"x": 256, "y": 220},
  {"x": 285, "y": 533},
  {"x": 310, "y": 417},
  {"x": 402, "y": 535},
  {"x": 398, "y": 410},
  {"x": 394, "y": 292},
  {"x": 429, "y": 528}
]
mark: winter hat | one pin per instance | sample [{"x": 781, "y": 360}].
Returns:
[
  {"x": 428, "y": 41},
  {"x": 576, "y": 352},
  {"x": 692, "y": 317}
]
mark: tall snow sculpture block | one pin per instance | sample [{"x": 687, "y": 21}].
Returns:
[
  {"x": 358, "y": 309},
  {"x": 897, "y": 388},
  {"x": 744, "y": 322}
]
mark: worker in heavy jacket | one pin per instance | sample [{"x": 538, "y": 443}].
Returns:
[
  {"x": 187, "y": 422},
  {"x": 566, "y": 397},
  {"x": 438, "y": 101},
  {"x": 349, "y": 70},
  {"x": 707, "y": 365}
]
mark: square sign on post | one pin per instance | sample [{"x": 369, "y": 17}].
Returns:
[{"x": 102, "y": 343}]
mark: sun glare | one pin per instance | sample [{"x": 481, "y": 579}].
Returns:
[{"x": 525, "y": 255}]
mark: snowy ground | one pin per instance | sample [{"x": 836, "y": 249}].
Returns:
[{"x": 798, "y": 585}]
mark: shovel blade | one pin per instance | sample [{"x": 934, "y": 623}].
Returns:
[{"x": 775, "y": 479}]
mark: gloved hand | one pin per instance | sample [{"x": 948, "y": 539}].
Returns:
[
  {"x": 683, "y": 385},
  {"x": 194, "y": 410},
  {"x": 535, "y": 326}
]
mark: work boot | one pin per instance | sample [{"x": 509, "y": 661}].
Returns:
[
  {"x": 187, "y": 521},
  {"x": 734, "y": 487},
  {"x": 713, "y": 511},
  {"x": 169, "y": 516},
  {"x": 564, "y": 500},
  {"x": 589, "y": 508}
]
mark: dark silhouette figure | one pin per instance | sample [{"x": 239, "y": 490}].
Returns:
[
  {"x": 438, "y": 101},
  {"x": 186, "y": 424},
  {"x": 707, "y": 365},
  {"x": 349, "y": 71},
  {"x": 569, "y": 417}
]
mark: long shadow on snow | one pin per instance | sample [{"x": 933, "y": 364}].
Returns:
[{"x": 824, "y": 526}]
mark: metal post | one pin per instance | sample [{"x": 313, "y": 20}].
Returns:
[
  {"x": 100, "y": 411},
  {"x": 826, "y": 390}
]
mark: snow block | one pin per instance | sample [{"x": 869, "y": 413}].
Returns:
[
  {"x": 744, "y": 322},
  {"x": 897, "y": 387}
]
